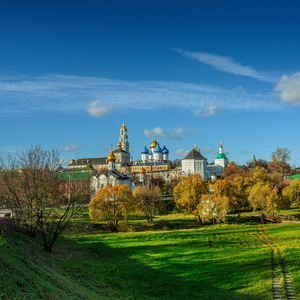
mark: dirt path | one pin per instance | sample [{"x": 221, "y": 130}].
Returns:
[{"x": 281, "y": 279}]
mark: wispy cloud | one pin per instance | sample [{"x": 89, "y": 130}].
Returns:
[
  {"x": 70, "y": 148},
  {"x": 245, "y": 152},
  {"x": 209, "y": 111},
  {"x": 75, "y": 94},
  {"x": 225, "y": 64},
  {"x": 168, "y": 134},
  {"x": 206, "y": 150},
  {"x": 99, "y": 109},
  {"x": 288, "y": 88},
  {"x": 182, "y": 153}
]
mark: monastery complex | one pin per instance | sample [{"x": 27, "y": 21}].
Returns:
[{"x": 118, "y": 167}]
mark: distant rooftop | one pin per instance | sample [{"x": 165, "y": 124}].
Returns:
[{"x": 194, "y": 154}]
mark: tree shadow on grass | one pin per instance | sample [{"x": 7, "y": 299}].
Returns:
[{"x": 152, "y": 270}]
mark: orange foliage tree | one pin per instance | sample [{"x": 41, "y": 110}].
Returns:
[
  {"x": 111, "y": 203},
  {"x": 187, "y": 194},
  {"x": 233, "y": 170}
]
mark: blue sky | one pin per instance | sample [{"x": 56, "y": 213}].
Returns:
[{"x": 191, "y": 71}]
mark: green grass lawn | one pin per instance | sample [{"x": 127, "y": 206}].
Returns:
[
  {"x": 210, "y": 262},
  {"x": 175, "y": 265}
]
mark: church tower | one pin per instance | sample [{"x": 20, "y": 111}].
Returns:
[
  {"x": 221, "y": 158},
  {"x": 111, "y": 159},
  {"x": 123, "y": 139},
  {"x": 142, "y": 175}
]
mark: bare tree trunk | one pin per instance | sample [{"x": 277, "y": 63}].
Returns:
[{"x": 200, "y": 220}]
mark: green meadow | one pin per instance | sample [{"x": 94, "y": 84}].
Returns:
[{"x": 174, "y": 259}]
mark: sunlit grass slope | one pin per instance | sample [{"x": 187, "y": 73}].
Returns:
[
  {"x": 177, "y": 264},
  {"x": 213, "y": 262}
]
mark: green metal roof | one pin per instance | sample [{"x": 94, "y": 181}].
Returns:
[
  {"x": 74, "y": 176},
  {"x": 292, "y": 177},
  {"x": 221, "y": 156}
]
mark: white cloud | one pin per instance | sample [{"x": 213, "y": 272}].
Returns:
[
  {"x": 289, "y": 88},
  {"x": 245, "y": 152},
  {"x": 99, "y": 109},
  {"x": 70, "y": 148},
  {"x": 168, "y": 134},
  {"x": 63, "y": 161},
  {"x": 73, "y": 94},
  {"x": 182, "y": 152},
  {"x": 206, "y": 150},
  {"x": 224, "y": 64},
  {"x": 209, "y": 111}
]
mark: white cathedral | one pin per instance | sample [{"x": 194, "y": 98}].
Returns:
[{"x": 195, "y": 163}]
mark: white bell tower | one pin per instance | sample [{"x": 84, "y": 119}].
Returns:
[{"x": 123, "y": 139}]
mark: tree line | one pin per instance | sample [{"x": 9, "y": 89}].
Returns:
[
  {"x": 259, "y": 186},
  {"x": 114, "y": 203},
  {"x": 31, "y": 188}
]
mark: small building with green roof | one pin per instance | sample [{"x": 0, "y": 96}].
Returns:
[{"x": 221, "y": 158}]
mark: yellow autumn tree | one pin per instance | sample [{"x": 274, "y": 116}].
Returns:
[
  {"x": 213, "y": 207},
  {"x": 187, "y": 194},
  {"x": 240, "y": 187},
  {"x": 226, "y": 188},
  {"x": 291, "y": 194},
  {"x": 111, "y": 204},
  {"x": 262, "y": 197},
  {"x": 148, "y": 201},
  {"x": 259, "y": 174}
]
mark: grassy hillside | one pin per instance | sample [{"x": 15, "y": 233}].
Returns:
[
  {"x": 26, "y": 272},
  {"x": 214, "y": 262}
]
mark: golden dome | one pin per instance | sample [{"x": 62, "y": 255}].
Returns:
[
  {"x": 119, "y": 145},
  {"x": 154, "y": 144},
  {"x": 124, "y": 126},
  {"x": 142, "y": 170},
  {"x": 72, "y": 161},
  {"x": 111, "y": 157}
]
